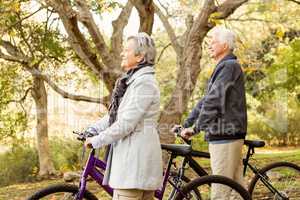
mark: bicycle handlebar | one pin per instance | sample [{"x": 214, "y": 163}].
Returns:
[{"x": 82, "y": 136}]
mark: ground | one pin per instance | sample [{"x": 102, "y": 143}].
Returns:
[{"x": 262, "y": 157}]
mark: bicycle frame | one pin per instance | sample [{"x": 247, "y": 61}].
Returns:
[
  {"x": 93, "y": 163},
  {"x": 91, "y": 170}
]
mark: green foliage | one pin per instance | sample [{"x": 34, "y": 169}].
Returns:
[
  {"x": 65, "y": 154},
  {"x": 274, "y": 114},
  {"x": 13, "y": 120},
  {"x": 18, "y": 164},
  {"x": 287, "y": 60},
  {"x": 101, "y": 6}
]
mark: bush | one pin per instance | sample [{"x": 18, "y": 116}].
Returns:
[{"x": 19, "y": 164}]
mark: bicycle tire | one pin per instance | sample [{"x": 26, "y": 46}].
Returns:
[
  {"x": 186, "y": 180},
  {"x": 213, "y": 179},
  {"x": 271, "y": 171},
  {"x": 59, "y": 188}
]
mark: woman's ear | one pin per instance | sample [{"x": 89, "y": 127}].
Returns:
[
  {"x": 140, "y": 58},
  {"x": 226, "y": 46}
]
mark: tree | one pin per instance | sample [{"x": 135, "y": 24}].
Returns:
[
  {"x": 188, "y": 54},
  {"x": 33, "y": 47}
]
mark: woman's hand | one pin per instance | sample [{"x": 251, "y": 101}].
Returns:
[{"x": 88, "y": 143}]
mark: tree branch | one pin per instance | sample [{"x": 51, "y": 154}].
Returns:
[
  {"x": 162, "y": 51},
  {"x": 248, "y": 20},
  {"x": 22, "y": 99},
  {"x": 164, "y": 7},
  {"x": 22, "y": 34},
  {"x": 80, "y": 44},
  {"x": 146, "y": 13},
  {"x": 295, "y": 1},
  {"x": 14, "y": 54},
  {"x": 37, "y": 73},
  {"x": 169, "y": 29},
  {"x": 22, "y": 19},
  {"x": 118, "y": 28},
  {"x": 85, "y": 16},
  {"x": 228, "y": 7}
]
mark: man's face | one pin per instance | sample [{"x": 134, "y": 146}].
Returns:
[
  {"x": 129, "y": 59},
  {"x": 217, "y": 48}
]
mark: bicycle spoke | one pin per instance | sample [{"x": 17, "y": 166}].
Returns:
[
  {"x": 284, "y": 179},
  {"x": 60, "y": 196},
  {"x": 206, "y": 192},
  {"x": 213, "y": 187}
]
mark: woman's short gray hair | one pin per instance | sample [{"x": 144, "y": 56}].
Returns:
[
  {"x": 225, "y": 35},
  {"x": 145, "y": 46}
]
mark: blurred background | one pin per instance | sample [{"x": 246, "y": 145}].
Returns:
[{"x": 59, "y": 61}]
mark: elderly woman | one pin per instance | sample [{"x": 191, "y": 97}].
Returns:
[{"x": 134, "y": 165}]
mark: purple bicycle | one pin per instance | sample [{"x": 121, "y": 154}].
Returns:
[{"x": 198, "y": 189}]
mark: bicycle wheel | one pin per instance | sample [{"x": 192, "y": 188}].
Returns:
[
  {"x": 283, "y": 176},
  {"x": 203, "y": 185},
  {"x": 179, "y": 184},
  {"x": 61, "y": 191}
]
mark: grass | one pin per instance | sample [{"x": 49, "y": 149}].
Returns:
[{"x": 260, "y": 159}]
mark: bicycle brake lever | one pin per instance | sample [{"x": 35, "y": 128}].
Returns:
[
  {"x": 76, "y": 133},
  {"x": 80, "y": 136}
]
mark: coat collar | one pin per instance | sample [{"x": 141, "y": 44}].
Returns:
[
  {"x": 140, "y": 72},
  {"x": 229, "y": 56}
]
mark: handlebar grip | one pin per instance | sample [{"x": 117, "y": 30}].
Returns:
[
  {"x": 81, "y": 138},
  {"x": 178, "y": 134}
]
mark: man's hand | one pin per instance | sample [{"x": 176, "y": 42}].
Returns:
[
  {"x": 88, "y": 143},
  {"x": 186, "y": 133}
]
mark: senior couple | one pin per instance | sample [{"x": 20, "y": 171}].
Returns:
[{"x": 134, "y": 163}]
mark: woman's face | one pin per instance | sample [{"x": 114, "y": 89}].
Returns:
[{"x": 129, "y": 59}]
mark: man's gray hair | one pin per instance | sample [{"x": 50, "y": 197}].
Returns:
[
  {"x": 145, "y": 46},
  {"x": 225, "y": 35}
]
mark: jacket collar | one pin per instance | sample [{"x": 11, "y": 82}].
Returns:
[
  {"x": 229, "y": 56},
  {"x": 140, "y": 72}
]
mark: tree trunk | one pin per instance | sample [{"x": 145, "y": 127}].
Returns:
[
  {"x": 40, "y": 98},
  {"x": 189, "y": 69},
  {"x": 145, "y": 10}
]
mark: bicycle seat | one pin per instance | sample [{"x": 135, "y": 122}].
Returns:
[
  {"x": 179, "y": 149},
  {"x": 254, "y": 143}
]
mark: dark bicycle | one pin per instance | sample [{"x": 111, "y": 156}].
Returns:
[
  {"x": 196, "y": 189},
  {"x": 275, "y": 181}
]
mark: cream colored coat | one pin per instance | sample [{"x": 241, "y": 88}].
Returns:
[{"x": 135, "y": 159}]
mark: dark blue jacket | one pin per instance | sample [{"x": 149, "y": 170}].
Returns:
[{"x": 222, "y": 112}]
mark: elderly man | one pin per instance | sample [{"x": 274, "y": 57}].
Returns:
[
  {"x": 134, "y": 166},
  {"x": 222, "y": 113}
]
